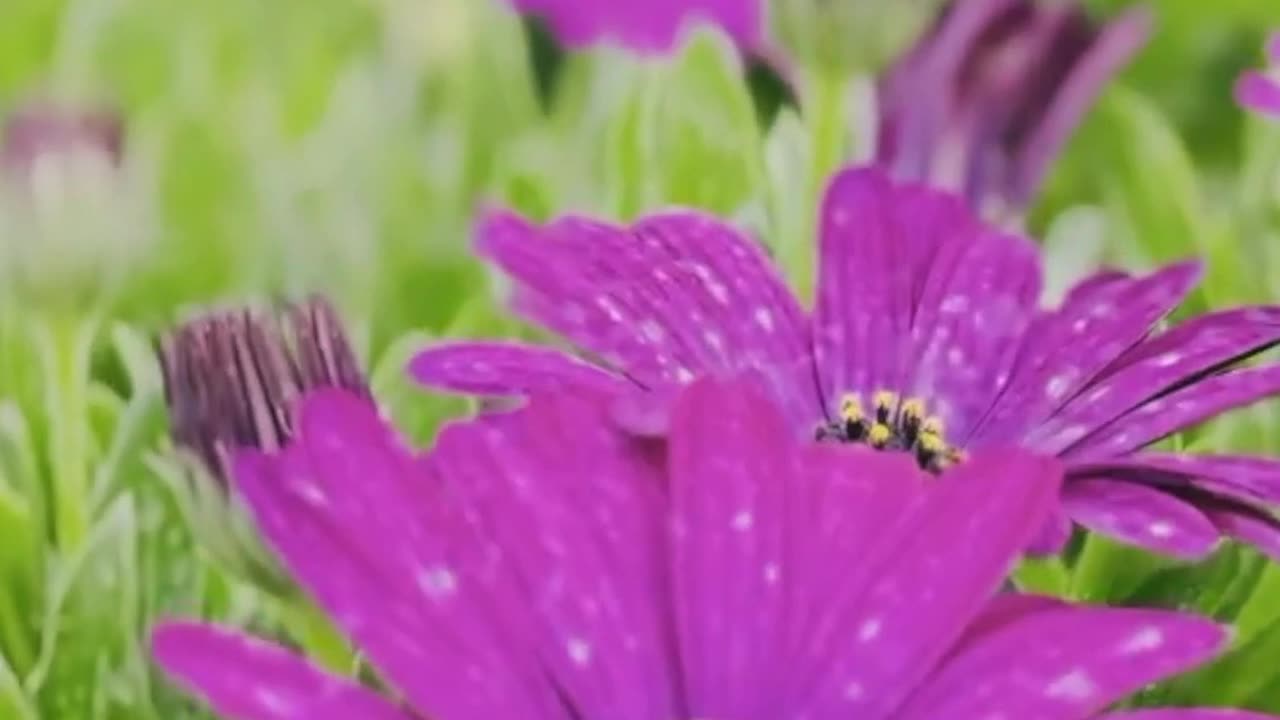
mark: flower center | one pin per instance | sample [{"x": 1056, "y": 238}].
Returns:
[{"x": 895, "y": 424}]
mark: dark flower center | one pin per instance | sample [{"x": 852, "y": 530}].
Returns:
[{"x": 895, "y": 424}]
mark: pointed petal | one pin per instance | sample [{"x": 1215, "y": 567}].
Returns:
[
  {"x": 1250, "y": 526},
  {"x": 1002, "y": 611},
  {"x": 1068, "y": 662},
  {"x": 979, "y": 516},
  {"x": 247, "y": 678},
  {"x": 1245, "y": 478},
  {"x": 1179, "y": 357},
  {"x": 1180, "y": 409},
  {"x": 1066, "y": 349},
  {"x": 730, "y": 458},
  {"x": 676, "y": 295},
  {"x": 1140, "y": 515},
  {"x": 575, "y": 511},
  {"x": 1187, "y": 714},
  {"x": 367, "y": 529},
  {"x": 506, "y": 368}
]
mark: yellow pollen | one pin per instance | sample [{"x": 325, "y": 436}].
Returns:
[
  {"x": 930, "y": 442},
  {"x": 879, "y": 434},
  {"x": 851, "y": 408},
  {"x": 886, "y": 398},
  {"x": 913, "y": 408}
]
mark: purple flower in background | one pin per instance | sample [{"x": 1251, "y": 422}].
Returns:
[
  {"x": 985, "y": 101},
  {"x": 1259, "y": 90},
  {"x": 543, "y": 565},
  {"x": 650, "y": 26},
  {"x": 41, "y": 130},
  {"x": 927, "y": 337}
]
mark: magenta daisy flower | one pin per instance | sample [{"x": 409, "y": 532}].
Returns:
[
  {"x": 542, "y": 564},
  {"x": 1259, "y": 90},
  {"x": 652, "y": 26},
  {"x": 985, "y": 101},
  {"x": 927, "y": 337}
]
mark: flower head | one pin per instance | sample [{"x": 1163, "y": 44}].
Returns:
[
  {"x": 73, "y": 217},
  {"x": 653, "y": 26},
  {"x": 542, "y": 564},
  {"x": 986, "y": 100},
  {"x": 927, "y": 337},
  {"x": 232, "y": 380},
  {"x": 1259, "y": 90}
]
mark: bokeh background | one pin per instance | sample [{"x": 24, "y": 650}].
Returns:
[{"x": 274, "y": 149}]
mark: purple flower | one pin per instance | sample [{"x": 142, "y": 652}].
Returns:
[
  {"x": 40, "y": 130},
  {"x": 542, "y": 564},
  {"x": 1259, "y": 90},
  {"x": 651, "y": 26},
  {"x": 985, "y": 101},
  {"x": 927, "y": 337}
]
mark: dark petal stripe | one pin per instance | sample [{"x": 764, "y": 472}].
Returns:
[
  {"x": 1178, "y": 410},
  {"x": 1139, "y": 514},
  {"x": 1139, "y": 379},
  {"x": 1067, "y": 348},
  {"x": 1244, "y": 478}
]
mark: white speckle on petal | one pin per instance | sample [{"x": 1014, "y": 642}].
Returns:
[
  {"x": 869, "y": 630},
  {"x": 743, "y": 521},
  {"x": 839, "y": 217},
  {"x": 1167, "y": 359},
  {"x": 609, "y": 308},
  {"x": 713, "y": 340},
  {"x": 652, "y": 330},
  {"x": 955, "y": 304},
  {"x": 1146, "y": 639},
  {"x": 273, "y": 702},
  {"x": 718, "y": 291},
  {"x": 1160, "y": 529},
  {"x": 684, "y": 375},
  {"x": 853, "y": 690},
  {"x": 1057, "y": 386},
  {"x": 312, "y": 494},
  {"x": 772, "y": 573},
  {"x": 1080, "y": 325},
  {"x": 579, "y": 651},
  {"x": 764, "y": 319},
  {"x": 955, "y": 356},
  {"x": 437, "y": 581},
  {"x": 1075, "y": 685}
]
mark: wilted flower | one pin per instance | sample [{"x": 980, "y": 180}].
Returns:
[
  {"x": 1259, "y": 90},
  {"x": 927, "y": 338},
  {"x": 985, "y": 101},
  {"x": 232, "y": 380},
  {"x": 544, "y": 565},
  {"x": 72, "y": 221},
  {"x": 654, "y": 26}
]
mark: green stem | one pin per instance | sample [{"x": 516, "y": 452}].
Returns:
[
  {"x": 826, "y": 115},
  {"x": 66, "y": 343},
  {"x": 1263, "y": 606},
  {"x": 317, "y": 636}
]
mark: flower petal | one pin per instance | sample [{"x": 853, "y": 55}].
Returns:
[
  {"x": 1065, "y": 662},
  {"x": 978, "y": 516},
  {"x": 677, "y": 295},
  {"x": 1244, "y": 478},
  {"x": 1259, "y": 92},
  {"x": 1053, "y": 536},
  {"x": 575, "y": 511},
  {"x": 1177, "y": 410},
  {"x": 1176, "y": 358},
  {"x": 248, "y": 678},
  {"x": 1249, "y": 526},
  {"x": 1068, "y": 348},
  {"x": 894, "y": 312},
  {"x": 1140, "y": 515},
  {"x": 505, "y": 368},
  {"x": 371, "y": 533}
]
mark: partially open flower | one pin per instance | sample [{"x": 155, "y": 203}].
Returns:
[
  {"x": 232, "y": 379},
  {"x": 985, "y": 101},
  {"x": 1259, "y": 90},
  {"x": 72, "y": 220}
]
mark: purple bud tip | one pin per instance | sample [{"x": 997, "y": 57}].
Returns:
[
  {"x": 233, "y": 377},
  {"x": 42, "y": 128}
]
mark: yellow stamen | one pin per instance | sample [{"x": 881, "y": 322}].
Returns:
[
  {"x": 913, "y": 408},
  {"x": 885, "y": 399},
  {"x": 879, "y": 434},
  {"x": 851, "y": 408},
  {"x": 931, "y": 443}
]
